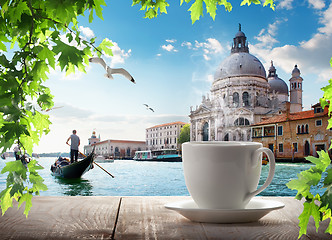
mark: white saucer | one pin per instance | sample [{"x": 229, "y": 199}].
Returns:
[{"x": 256, "y": 209}]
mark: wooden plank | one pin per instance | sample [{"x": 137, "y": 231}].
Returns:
[
  {"x": 142, "y": 218},
  {"x": 146, "y": 218},
  {"x": 62, "y": 218}
]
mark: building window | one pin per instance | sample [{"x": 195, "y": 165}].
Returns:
[
  {"x": 281, "y": 147},
  {"x": 306, "y": 128},
  {"x": 235, "y": 99},
  {"x": 279, "y": 130},
  {"x": 271, "y": 147},
  {"x": 319, "y": 122},
  {"x": 206, "y": 132},
  {"x": 318, "y": 110},
  {"x": 245, "y": 99},
  {"x": 298, "y": 129},
  {"x": 241, "y": 122},
  {"x": 294, "y": 147}
]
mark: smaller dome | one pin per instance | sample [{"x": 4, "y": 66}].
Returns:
[
  {"x": 296, "y": 72},
  {"x": 278, "y": 85},
  {"x": 240, "y": 34}
]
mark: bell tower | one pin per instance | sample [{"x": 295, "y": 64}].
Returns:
[
  {"x": 240, "y": 42},
  {"x": 296, "y": 90}
]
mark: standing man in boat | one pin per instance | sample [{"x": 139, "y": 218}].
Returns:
[{"x": 74, "y": 144}]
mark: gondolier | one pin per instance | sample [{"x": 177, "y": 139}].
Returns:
[{"x": 74, "y": 144}]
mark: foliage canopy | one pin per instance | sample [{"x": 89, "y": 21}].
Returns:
[
  {"x": 42, "y": 34},
  {"x": 185, "y": 134}
]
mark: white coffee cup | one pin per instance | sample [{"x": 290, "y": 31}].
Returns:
[{"x": 224, "y": 175}]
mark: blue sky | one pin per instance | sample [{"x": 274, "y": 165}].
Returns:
[{"x": 173, "y": 63}]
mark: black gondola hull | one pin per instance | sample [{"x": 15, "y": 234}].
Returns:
[{"x": 74, "y": 170}]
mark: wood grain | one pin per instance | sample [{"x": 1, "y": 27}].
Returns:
[
  {"x": 146, "y": 218},
  {"x": 62, "y": 218},
  {"x": 142, "y": 218}
]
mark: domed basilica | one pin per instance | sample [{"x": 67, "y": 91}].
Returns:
[{"x": 242, "y": 95}]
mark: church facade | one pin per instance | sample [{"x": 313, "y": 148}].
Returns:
[{"x": 242, "y": 95}]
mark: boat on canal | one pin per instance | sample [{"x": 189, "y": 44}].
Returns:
[
  {"x": 163, "y": 155},
  {"x": 64, "y": 169}
]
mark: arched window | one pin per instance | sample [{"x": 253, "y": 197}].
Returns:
[
  {"x": 306, "y": 128},
  {"x": 245, "y": 99},
  {"x": 206, "y": 132},
  {"x": 302, "y": 129},
  {"x": 241, "y": 122},
  {"x": 226, "y": 138},
  {"x": 298, "y": 129},
  {"x": 128, "y": 152},
  {"x": 236, "y": 99}
]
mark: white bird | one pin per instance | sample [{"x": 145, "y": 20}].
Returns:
[
  {"x": 148, "y": 108},
  {"x": 110, "y": 71}
]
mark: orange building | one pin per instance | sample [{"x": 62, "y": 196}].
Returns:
[{"x": 293, "y": 136}]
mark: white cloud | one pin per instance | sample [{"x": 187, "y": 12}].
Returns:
[
  {"x": 187, "y": 44},
  {"x": 287, "y": 4},
  {"x": 312, "y": 56},
  {"x": 171, "y": 40},
  {"x": 87, "y": 32},
  {"x": 317, "y": 4},
  {"x": 119, "y": 55},
  {"x": 210, "y": 47},
  {"x": 266, "y": 37},
  {"x": 169, "y": 48},
  {"x": 326, "y": 20}
]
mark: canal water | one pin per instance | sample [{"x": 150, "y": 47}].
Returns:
[{"x": 134, "y": 178}]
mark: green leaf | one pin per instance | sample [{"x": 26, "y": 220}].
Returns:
[
  {"x": 211, "y": 8},
  {"x": 98, "y": 8},
  {"x": 5, "y": 200},
  {"x": 196, "y": 10},
  {"x": 46, "y": 53},
  {"x": 106, "y": 47},
  {"x": 248, "y": 2},
  {"x": 27, "y": 198},
  {"x": 310, "y": 209},
  {"x": 328, "y": 179},
  {"x": 327, "y": 197},
  {"x": 271, "y": 3}
]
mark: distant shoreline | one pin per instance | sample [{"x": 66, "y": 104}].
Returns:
[{"x": 54, "y": 154}]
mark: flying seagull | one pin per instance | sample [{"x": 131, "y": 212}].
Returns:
[
  {"x": 110, "y": 71},
  {"x": 148, "y": 108}
]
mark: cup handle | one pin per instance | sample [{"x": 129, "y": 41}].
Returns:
[{"x": 269, "y": 178}]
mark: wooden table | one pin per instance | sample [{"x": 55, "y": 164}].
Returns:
[{"x": 142, "y": 218}]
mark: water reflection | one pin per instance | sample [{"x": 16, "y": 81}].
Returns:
[{"x": 75, "y": 187}]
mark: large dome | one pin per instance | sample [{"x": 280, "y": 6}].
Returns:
[{"x": 240, "y": 64}]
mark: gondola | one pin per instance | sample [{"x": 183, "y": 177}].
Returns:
[{"x": 73, "y": 170}]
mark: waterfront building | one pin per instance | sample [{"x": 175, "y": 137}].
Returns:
[
  {"x": 117, "y": 149},
  {"x": 242, "y": 95},
  {"x": 164, "y": 136},
  {"x": 294, "y": 135}
]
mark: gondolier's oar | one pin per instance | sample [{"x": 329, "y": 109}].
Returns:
[{"x": 96, "y": 164}]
